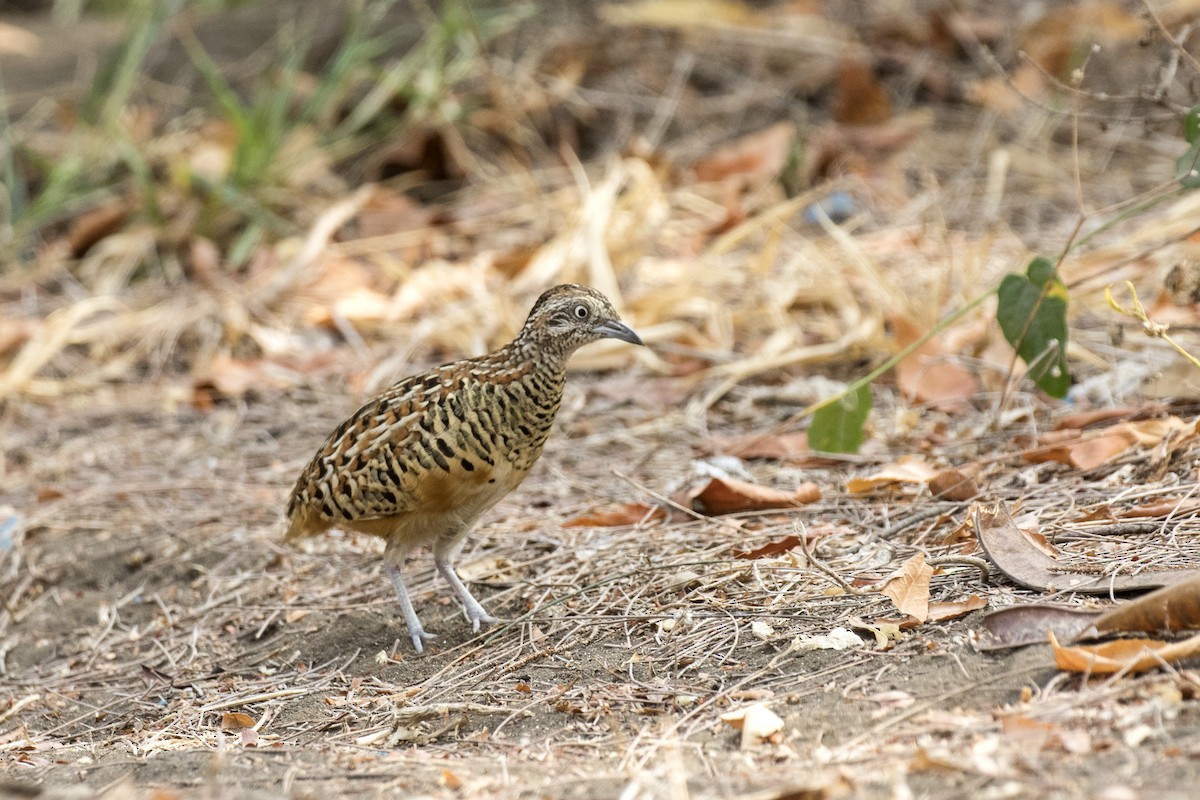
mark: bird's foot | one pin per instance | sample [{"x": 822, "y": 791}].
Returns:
[
  {"x": 419, "y": 637},
  {"x": 479, "y": 616}
]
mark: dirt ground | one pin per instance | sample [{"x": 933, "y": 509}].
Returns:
[
  {"x": 153, "y": 595},
  {"x": 149, "y": 598}
]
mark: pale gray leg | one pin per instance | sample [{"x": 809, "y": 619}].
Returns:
[
  {"x": 418, "y": 634},
  {"x": 444, "y": 552}
]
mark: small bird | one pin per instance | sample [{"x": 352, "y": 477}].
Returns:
[{"x": 423, "y": 460}]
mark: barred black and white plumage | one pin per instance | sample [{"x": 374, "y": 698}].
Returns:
[{"x": 422, "y": 461}]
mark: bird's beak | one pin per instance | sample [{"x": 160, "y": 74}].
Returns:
[{"x": 613, "y": 329}]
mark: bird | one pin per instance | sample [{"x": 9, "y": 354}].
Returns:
[{"x": 420, "y": 463}]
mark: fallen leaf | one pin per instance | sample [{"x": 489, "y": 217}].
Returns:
[
  {"x": 89, "y": 228},
  {"x": 1033, "y": 735},
  {"x": 930, "y": 374},
  {"x": 757, "y": 723},
  {"x": 908, "y": 469},
  {"x": 44, "y": 494},
  {"x": 908, "y": 587},
  {"x": 939, "y": 612},
  {"x": 755, "y": 159},
  {"x": 1080, "y": 450},
  {"x": 769, "y": 549},
  {"x": 790, "y": 447},
  {"x": 1086, "y": 419},
  {"x": 953, "y": 484},
  {"x": 762, "y": 630},
  {"x": 1164, "y": 507},
  {"x": 249, "y": 737},
  {"x": 236, "y": 721},
  {"x": 450, "y": 780},
  {"x": 1015, "y": 554},
  {"x": 1133, "y": 655},
  {"x": 616, "y": 516},
  {"x": 1020, "y": 625},
  {"x": 233, "y": 378},
  {"x": 488, "y": 568},
  {"x": 730, "y": 495},
  {"x": 1086, "y": 450},
  {"x": 859, "y": 97},
  {"x": 1170, "y": 609}
]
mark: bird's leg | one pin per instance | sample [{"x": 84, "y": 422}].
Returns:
[
  {"x": 444, "y": 551},
  {"x": 418, "y": 634}
]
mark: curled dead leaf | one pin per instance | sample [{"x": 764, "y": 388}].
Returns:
[
  {"x": 953, "y": 484},
  {"x": 939, "y": 612},
  {"x": 236, "y": 721},
  {"x": 726, "y": 495},
  {"x": 907, "y": 469},
  {"x": 1133, "y": 655},
  {"x": 908, "y": 587},
  {"x": 757, "y": 723}
]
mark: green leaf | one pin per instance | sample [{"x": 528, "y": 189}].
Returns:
[
  {"x": 1187, "y": 166},
  {"x": 1191, "y": 125},
  {"x": 1032, "y": 313},
  {"x": 839, "y": 426}
]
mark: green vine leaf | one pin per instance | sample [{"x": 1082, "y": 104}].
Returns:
[
  {"x": 1032, "y": 313},
  {"x": 1187, "y": 166},
  {"x": 840, "y": 427}
]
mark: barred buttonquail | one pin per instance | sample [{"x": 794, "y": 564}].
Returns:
[{"x": 422, "y": 461}]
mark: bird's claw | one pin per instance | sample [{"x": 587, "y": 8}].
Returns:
[
  {"x": 419, "y": 637},
  {"x": 482, "y": 617}
]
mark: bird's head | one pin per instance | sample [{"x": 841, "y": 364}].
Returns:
[{"x": 569, "y": 316}]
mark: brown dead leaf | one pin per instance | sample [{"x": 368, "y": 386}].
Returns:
[
  {"x": 954, "y": 484},
  {"x": 1133, "y": 655},
  {"x": 1167, "y": 506},
  {"x": 450, "y": 780},
  {"x": 1091, "y": 449},
  {"x": 1101, "y": 512},
  {"x": 1170, "y": 609},
  {"x": 776, "y": 548},
  {"x": 45, "y": 494},
  {"x": 232, "y": 378},
  {"x": 871, "y": 151},
  {"x": 616, "y": 516},
  {"x": 389, "y": 212},
  {"x": 1095, "y": 416},
  {"x": 859, "y": 97},
  {"x": 236, "y": 721},
  {"x": 939, "y": 612},
  {"x": 730, "y": 495},
  {"x": 908, "y": 469},
  {"x": 755, "y": 159},
  {"x": 1020, "y": 625},
  {"x": 757, "y": 723},
  {"x": 929, "y": 375},
  {"x": 908, "y": 587},
  {"x": 1034, "y": 735},
  {"x": 89, "y": 228},
  {"x": 1017, "y": 556},
  {"x": 1079, "y": 450}
]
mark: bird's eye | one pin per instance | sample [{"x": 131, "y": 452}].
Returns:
[{"x": 581, "y": 312}]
